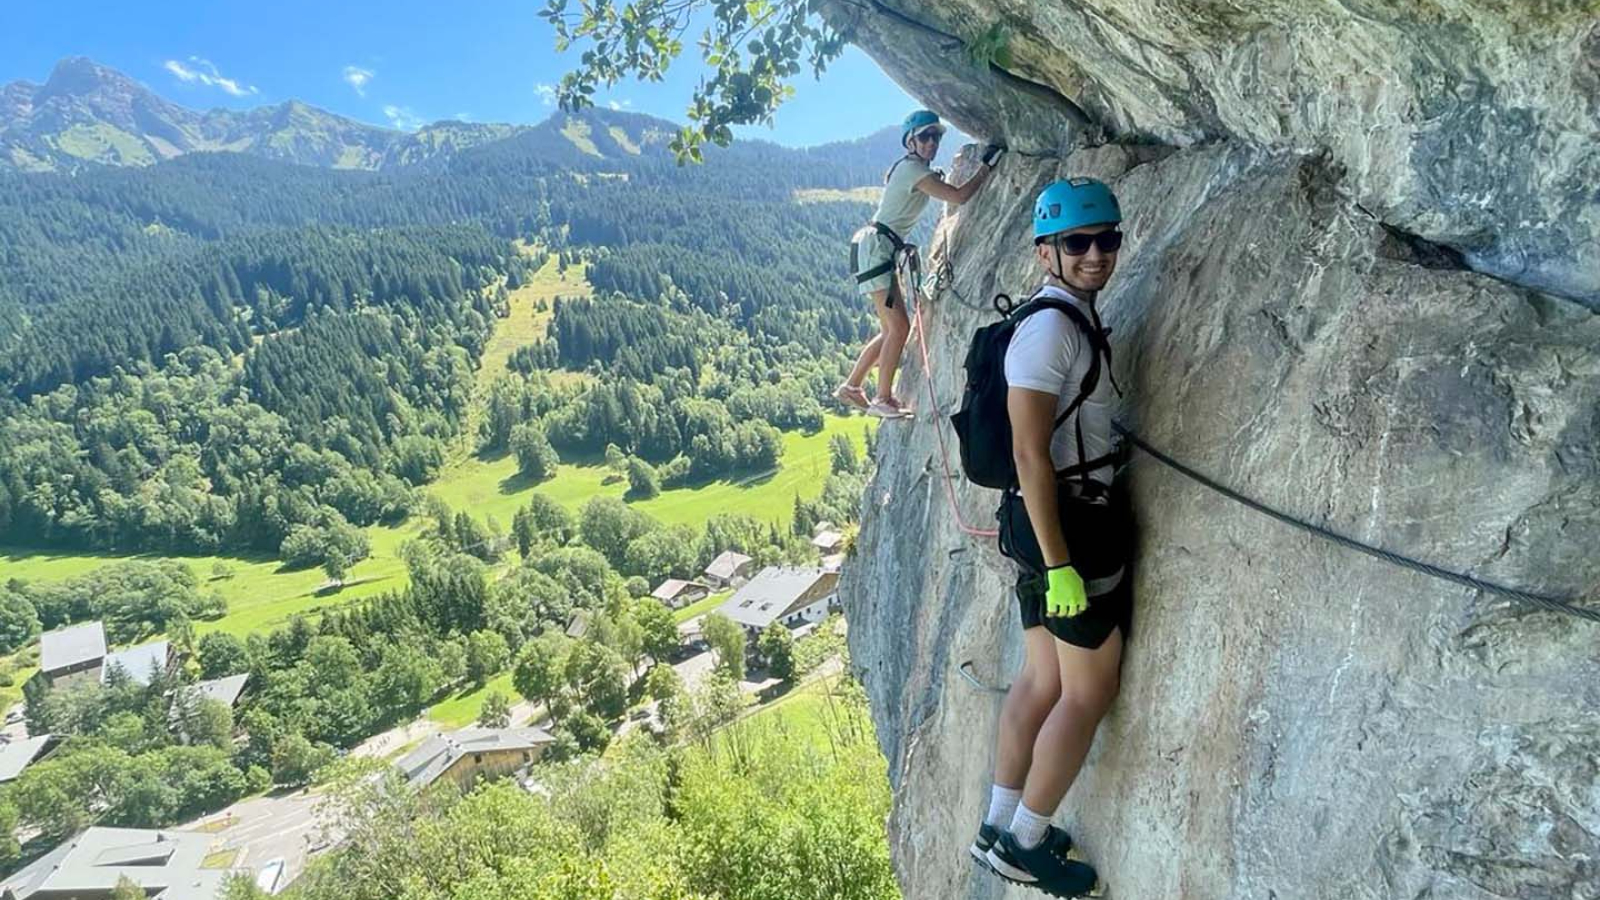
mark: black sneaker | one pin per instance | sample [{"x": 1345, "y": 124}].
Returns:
[
  {"x": 1059, "y": 842},
  {"x": 1044, "y": 867},
  {"x": 980, "y": 845}
]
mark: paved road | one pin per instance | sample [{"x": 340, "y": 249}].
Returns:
[{"x": 266, "y": 828}]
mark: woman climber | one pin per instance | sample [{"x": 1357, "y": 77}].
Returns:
[{"x": 878, "y": 250}]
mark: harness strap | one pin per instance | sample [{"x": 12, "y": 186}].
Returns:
[
  {"x": 1084, "y": 468},
  {"x": 899, "y": 243},
  {"x": 903, "y": 253}
]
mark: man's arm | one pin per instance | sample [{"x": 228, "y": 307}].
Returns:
[{"x": 1033, "y": 419}]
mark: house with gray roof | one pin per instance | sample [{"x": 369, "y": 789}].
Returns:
[
  {"x": 169, "y": 865},
  {"x": 677, "y": 593},
  {"x": 828, "y": 542},
  {"x": 472, "y": 753},
  {"x": 793, "y": 595},
  {"x": 73, "y": 654},
  {"x": 226, "y": 690},
  {"x": 141, "y": 663},
  {"x": 19, "y": 754},
  {"x": 728, "y": 569},
  {"x": 578, "y": 624}
]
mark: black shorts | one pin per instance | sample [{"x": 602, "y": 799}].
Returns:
[{"x": 1099, "y": 534}]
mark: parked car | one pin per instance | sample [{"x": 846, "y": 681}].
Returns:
[{"x": 270, "y": 878}]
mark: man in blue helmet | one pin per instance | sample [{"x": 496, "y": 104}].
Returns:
[
  {"x": 877, "y": 249},
  {"x": 1070, "y": 534}
]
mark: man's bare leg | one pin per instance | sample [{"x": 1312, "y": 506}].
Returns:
[
  {"x": 1089, "y": 683},
  {"x": 1032, "y": 696}
]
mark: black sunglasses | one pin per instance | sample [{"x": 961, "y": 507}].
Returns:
[
  {"x": 934, "y": 136},
  {"x": 1078, "y": 244}
]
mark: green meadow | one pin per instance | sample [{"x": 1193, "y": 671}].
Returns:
[
  {"x": 261, "y": 593},
  {"x": 488, "y": 488}
]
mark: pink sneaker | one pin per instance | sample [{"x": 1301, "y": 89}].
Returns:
[
  {"x": 888, "y": 408},
  {"x": 850, "y": 395}
]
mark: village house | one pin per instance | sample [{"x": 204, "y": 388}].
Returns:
[
  {"x": 19, "y": 754},
  {"x": 828, "y": 542},
  {"x": 472, "y": 753},
  {"x": 77, "y": 655},
  {"x": 72, "y": 655},
  {"x": 166, "y": 864},
  {"x": 793, "y": 595},
  {"x": 677, "y": 593},
  {"x": 729, "y": 569},
  {"x": 142, "y": 663}
]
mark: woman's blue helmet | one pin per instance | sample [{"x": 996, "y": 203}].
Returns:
[
  {"x": 917, "y": 121},
  {"x": 1073, "y": 203}
]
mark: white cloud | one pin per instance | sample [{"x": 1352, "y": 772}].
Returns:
[
  {"x": 402, "y": 117},
  {"x": 201, "y": 71},
  {"x": 546, "y": 92},
  {"x": 625, "y": 104},
  {"x": 357, "y": 78}
]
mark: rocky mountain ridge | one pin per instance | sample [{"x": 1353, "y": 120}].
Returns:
[{"x": 89, "y": 113}]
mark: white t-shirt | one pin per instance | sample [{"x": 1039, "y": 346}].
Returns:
[
  {"x": 902, "y": 204},
  {"x": 1050, "y": 354}
]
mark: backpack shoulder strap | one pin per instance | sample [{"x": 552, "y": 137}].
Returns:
[{"x": 1091, "y": 378}]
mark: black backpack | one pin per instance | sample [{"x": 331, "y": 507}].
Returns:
[{"x": 983, "y": 425}]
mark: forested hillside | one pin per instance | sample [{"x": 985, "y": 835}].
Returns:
[{"x": 216, "y": 351}]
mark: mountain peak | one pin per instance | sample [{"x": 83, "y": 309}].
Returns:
[{"x": 80, "y": 75}]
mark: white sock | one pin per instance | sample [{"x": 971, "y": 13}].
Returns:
[
  {"x": 1029, "y": 827},
  {"x": 1002, "y": 805}
]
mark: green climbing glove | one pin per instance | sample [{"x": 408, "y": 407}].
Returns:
[{"x": 1066, "y": 595}]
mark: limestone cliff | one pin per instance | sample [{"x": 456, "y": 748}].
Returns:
[{"x": 1296, "y": 721}]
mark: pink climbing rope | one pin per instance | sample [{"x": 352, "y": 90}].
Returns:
[{"x": 938, "y": 428}]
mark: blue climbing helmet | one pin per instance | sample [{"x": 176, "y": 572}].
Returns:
[
  {"x": 917, "y": 121},
  {"x": 1073, "y": 203}
]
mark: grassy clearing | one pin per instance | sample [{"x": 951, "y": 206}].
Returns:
[
  {"x": 701, "y": 606},
  {"x": 462, "y": 709},
  {"x": 12, "y": 694},
  {"x": 527, "y": 324},
  {"x": 833, "y": 195},
  {"x": 493, "y": 487},
  {"x": 104, "y": 143},
  {"x": 809, "y": 711},
  {"x": 261, "y": 593},
  {"x": 577, "y": 131}
]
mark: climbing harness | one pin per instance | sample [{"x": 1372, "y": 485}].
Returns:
[{"x": 905, "y": 256}]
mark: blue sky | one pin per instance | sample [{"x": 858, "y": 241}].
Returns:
[{"x": 397, "y": 62}]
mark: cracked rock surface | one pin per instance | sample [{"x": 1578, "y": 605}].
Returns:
[{"x": 1296, "y": 720}]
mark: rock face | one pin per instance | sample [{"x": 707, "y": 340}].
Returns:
[
  {"x": 1472, "y": 123},
  {"x": 1296, "y": 721}
]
